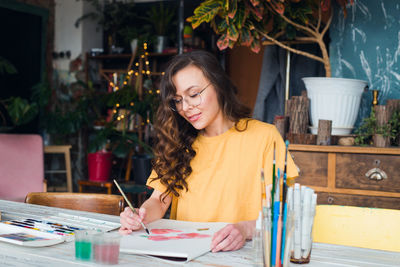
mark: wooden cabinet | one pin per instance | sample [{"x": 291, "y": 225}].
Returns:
[{"x": 352, "y": 176}]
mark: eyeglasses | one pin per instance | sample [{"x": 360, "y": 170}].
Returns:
[{"x": 193, "y": 100}]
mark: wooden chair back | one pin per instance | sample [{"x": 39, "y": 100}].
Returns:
[
  {"x": 356, "y": 226},
  {"x": 100, "y": 203}
]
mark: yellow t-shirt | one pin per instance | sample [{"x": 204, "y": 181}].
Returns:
[{"x": 225, "y": 185}]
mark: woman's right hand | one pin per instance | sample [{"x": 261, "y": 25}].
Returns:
[{"x": 131, "y": 221}]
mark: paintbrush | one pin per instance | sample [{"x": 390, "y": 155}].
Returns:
[
  {"x": 273, "y": 178},
  {"x": 285, "y": 173},
  {"x": 130, "y": 205},
  {"x": 263, "y": 194}
]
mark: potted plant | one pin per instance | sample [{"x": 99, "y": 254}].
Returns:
[
  {"x": 99, "y": 156},
  {"x": 135, "y": 36},
  {"x": 122, "y": 134},
  {"x": 161, "y": 18},
  {"x": 250, "y": 22},
  {"x": 19, "y": 111},
  {"x": 370, "y": 132},
  {"x": 18, "y": 105},
  {"x": 111, "y": 16}
]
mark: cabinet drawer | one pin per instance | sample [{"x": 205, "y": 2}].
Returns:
[
  {"x": 313, "y": 167},
  {"x": 358, "y": 200},
  {"x": 351, "y": 170}
]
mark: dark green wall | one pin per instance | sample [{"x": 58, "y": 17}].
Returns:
[
  {"x": 23, "y": 43},
  {"x": 366, "y": 45}
]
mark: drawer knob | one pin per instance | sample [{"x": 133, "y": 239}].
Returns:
[
  {"x": 376, "y": 173},
  {"x": 330, "y": 200}
]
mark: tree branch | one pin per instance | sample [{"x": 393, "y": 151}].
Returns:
[
  {"x": 306, "y": 54},
  {"x": 296, "y": 25},
  {"x": 279, "y": 34},
  {"x": 327, "y": 25},
  {"x": 319, "y": 18},
  {"x": 306, "y": 39}
]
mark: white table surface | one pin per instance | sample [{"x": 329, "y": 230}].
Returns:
[{"x": 323, "y": 255}]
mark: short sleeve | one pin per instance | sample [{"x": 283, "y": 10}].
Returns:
[{"x": 156, "y": 184}]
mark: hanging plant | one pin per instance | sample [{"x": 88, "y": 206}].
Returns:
[{"x": 250, "y": 22}]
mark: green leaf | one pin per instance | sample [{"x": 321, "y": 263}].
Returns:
[
  {"x": 226, "y": 5},
  {"x": 278, "y": 7},
  {"x": 160, "y": 18},
  {"x": 232, "y": 33},
  {"x": 223, "y": 42},
  {"x": 7, "y": 67},
  {"x": 256, "y": 12},
  {"x": 291, "y": 32},
  {"x": 222, "y": 27},
  {"x": 246, "y": 37},
  {"x": 241, "y": 15},
  {"x": 255, "y": 45},
  {"x": 255, "y": 2},
  {"x": 121, "y": 150},
  {"x": 205, "y": 12},
  {"x": 249, "y": 25},
  {"x": 41, "y": 94},
  {"x": 233, "y": 9},
  {"x": 90, "y": 15},
  {"x": 21, "y": 111},
  {"x": 231, "y": 44}
]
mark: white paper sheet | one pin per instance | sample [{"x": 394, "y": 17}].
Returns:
[{"x": 191, "y": 240}]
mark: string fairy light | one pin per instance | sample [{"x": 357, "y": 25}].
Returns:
[{"x": 135, "y": 71}]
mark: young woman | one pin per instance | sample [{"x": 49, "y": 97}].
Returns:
[{"x": 208, "y": 153}]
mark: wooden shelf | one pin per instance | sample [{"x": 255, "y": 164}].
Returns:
[
  {"x": 128, "y": 56},
  {"x": 120, "y": 63},
  {"x": 345, "y": 149}
]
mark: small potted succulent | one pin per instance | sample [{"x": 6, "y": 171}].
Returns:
[{"x": 371, "y": 132}]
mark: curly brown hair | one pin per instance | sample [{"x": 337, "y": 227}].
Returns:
[{"x": 174, "y": 135}]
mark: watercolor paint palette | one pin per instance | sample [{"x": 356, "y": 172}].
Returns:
[
  {"x": 44, "y": 226},
  {"x": 25, "y": 236},
  {"x": 83, "y": 222},
  {"x": 49, "y": 230}
]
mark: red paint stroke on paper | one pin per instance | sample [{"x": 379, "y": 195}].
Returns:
[
  {"x": 192, "y": 235},
  {"x": 164, "y": 231},
  {"x": 161, "y": 237},
  {"x": 178, "y": 236}
]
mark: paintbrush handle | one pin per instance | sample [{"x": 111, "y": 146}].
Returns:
[{"x": 129, "y": 204}]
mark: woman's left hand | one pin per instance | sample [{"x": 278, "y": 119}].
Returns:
[{"x": 232, "y": 236}]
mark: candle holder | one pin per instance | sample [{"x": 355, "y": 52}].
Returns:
[{"x": 375, "y": 94}]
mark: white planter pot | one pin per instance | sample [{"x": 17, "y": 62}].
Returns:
[
  {"x": 335, "y": 99},
  {"x": 161, "y": 43},
  {"x": 134, "y": 43}
]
